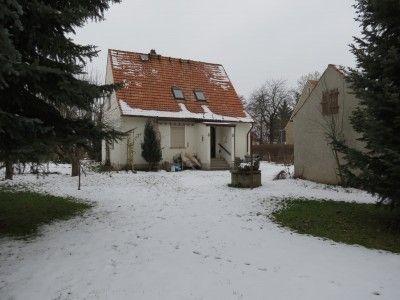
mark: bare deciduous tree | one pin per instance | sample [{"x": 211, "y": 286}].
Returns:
[
  {"x": 302, "y": 82},
  {"x": 265, "y": 105},
  {"x": 258, "y": 107}
]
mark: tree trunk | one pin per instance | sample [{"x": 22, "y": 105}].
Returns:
[
  {"x": 75, "y": 167},
  {"x": 272, "y": 131},
  {"x": 9, "y": 170},
  {"x": 107, "y": 162},
  {"x": 271, "y": 135}
]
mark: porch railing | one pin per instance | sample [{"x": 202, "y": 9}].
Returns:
[{"x": 223, "y": 148}]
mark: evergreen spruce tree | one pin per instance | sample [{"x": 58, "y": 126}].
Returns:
[
  {"x": 376, "y": 82},
  {"x": 40, "y": 78},
  {"x": 151, "y": 148}
]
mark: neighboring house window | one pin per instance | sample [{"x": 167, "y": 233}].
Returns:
[
  {"x": 178, "y": 93},
  {"x": 177, "y": 136},
  {"x": 330, "y": 105},
  {"x": 200, "y": 95}
]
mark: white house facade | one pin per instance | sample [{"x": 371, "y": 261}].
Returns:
[{"x": 192, "y": 105}]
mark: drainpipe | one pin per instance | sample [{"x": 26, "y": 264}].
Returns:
[
  {"x": 251, "y": 155},
  {"x": 234, "y": 143},
  {"x": 247, "y": 140}
]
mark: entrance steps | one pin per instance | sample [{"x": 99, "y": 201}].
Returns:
[{"x": 219, "y": 164}]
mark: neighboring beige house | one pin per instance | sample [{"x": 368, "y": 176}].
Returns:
[
  {"x": 192, "y": 104},
  {"x": 324, "y": 108}
]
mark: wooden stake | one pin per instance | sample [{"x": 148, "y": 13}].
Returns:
[{"x": 79, "y": 179}]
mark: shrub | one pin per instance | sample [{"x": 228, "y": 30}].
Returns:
[{"x": 151, "y": 148}]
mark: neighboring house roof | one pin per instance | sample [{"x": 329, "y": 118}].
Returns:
[
  {"x": 313, "y": 82},
  {"x": 340, "y": 69},
  {"x": 148, "y": 80},
  {"x": 310, "y": 86}
]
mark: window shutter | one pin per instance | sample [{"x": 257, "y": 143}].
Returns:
[
  {"x": 177, "y": 136},
  {"x": 330, "y": 105}
]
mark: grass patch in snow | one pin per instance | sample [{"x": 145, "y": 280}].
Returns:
[
  {"x": 351, "y": 223},
  {"x": 22, "y": 212}
]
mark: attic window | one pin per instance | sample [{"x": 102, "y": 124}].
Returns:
[
  {"x": 200, "y": 95},
  {"x": 178, "y": 93},
  {"x": 330, "y": 105},
  {"x": 144, "y": 57}
]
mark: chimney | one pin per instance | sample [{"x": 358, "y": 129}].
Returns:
[{"x": 153, "y": 53}]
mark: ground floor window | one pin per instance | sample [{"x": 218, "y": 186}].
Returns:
[{"x": 177, "y": 136}]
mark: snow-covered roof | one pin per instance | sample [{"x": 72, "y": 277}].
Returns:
[
  {"x": 148, "y": 80},
  {"x": 184, "y": 113}
]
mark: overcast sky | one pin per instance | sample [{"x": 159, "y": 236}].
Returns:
[{"x": 255, "y": 40}]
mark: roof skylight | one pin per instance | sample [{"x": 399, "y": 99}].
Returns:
[
  {"x": 178, "y": 93},
  {"x": 200, "y": 96}
]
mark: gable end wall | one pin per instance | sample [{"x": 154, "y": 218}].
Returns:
[{"x": 313, "y": 156}]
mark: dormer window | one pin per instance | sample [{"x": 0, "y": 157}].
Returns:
[
  {"x": 200, "y": 96},
  {"x": 178, "y": 93}
]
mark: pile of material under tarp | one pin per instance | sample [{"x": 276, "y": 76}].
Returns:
[{"x": 187, "y": 161}]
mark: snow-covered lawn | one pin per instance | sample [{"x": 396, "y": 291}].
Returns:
[{"x": 188, "y": 235}]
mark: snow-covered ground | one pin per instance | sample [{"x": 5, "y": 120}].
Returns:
[{"x": 188, "y": 235}]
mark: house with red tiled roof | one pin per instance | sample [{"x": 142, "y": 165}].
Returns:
[
  {"x": 193, "y": 106},
  {"x": 323, "y": 111}
]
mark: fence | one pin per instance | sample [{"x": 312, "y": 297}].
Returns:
[{"x": 278, "y": 153}]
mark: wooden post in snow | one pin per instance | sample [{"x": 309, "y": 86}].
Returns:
[
  {"x": 251, "y": 159},
  {"x": 79, "y": 176}
]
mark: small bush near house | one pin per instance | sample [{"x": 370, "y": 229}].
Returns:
[
  {"x": 21, "y": 213},
  {"x": 350, "y": 223},
  {"x": 151, "y": 148}
]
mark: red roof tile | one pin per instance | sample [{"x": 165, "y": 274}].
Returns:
[{"x": 148, "y": 83}]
